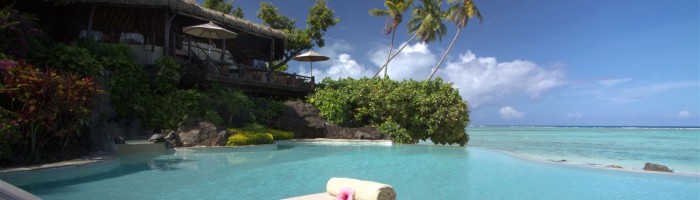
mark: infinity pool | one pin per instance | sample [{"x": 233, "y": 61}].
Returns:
[{"x": 415, "y": 171}]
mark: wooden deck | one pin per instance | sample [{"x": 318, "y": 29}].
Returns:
[{"x": 251, "y": 79}]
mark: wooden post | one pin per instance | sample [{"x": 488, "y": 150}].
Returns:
[
  {"x": 223, "y": 50},
  {"x": 92, "y": 13},
  {"x": 272, "y": 57},
  {"x": 166, "y": 36},
  {"x": 153, "y": 33},
  {"x": 189, "y": 49}
]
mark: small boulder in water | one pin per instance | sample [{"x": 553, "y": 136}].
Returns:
[
  {"x": 656, "y": 167},
  {"x": 156, "y": 138},
  {"x": 615, "y": 166}
]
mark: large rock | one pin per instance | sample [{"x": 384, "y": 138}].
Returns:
[
  {"x": 656, "y": 167},
  {"x": 364, "y": 133},
  {"x": 304, "y": 121},
  {"x": 196, "y": 132}
]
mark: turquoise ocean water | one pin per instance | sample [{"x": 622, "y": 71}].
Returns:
[
  {"x": 628, "y": 147},
  {"x": 415, "y": 171}
]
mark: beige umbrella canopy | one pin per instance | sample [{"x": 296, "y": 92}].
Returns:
[
  {"x": 311, "y": 57},
  {"x": 209, "y": 30}
]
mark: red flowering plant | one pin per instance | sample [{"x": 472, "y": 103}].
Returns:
[{"x": 48, "y": 108}]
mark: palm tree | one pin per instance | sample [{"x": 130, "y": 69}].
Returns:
[
  {"x": 459, "y": 14},
  {"x": 426, "y": 24},
  {"x": 394, "y": 12}
]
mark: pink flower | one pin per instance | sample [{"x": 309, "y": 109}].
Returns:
[{"x": 346, "y": 194}]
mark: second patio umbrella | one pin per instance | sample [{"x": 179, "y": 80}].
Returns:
[{"x": 311, "y": 57}]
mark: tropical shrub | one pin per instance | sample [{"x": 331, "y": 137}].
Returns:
[
  {"x": 256, "y": 134},
  {"x": 244, "y": 137},
  {"x": 409, "y": 110},
  {"x": 45, "y": 108},
  {"x": 266, "y": 110},
  {"x": 69, "y": 59},
  {"x": 229, "y": 104},
  {"x": 281, "y": 135},
  {"x": 18, "y": 34}
]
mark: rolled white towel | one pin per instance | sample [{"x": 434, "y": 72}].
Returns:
[{"x": 364, "y": 190}]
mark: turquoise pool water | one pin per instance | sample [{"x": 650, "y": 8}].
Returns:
[
  {"x": 629, "y": 147},
  {"x": 415, "y": 171}
]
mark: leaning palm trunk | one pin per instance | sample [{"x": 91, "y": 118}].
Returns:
[
  {"x": 392, "y": 57},
  {"x": 445, "y": 55},
  {"x": 388, "y": 57}
]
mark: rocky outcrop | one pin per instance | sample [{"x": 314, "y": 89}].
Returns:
[
  {"x": 656, "y": 167},
  {"x": 304, "y": 121},
  {"x": 364, "y": 133},
  {"x": 156, "y": 138},
  {"x": 195, "y": 132}
]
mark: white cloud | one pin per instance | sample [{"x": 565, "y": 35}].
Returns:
[
  {"x": 510, "y": 113},
  {"x": 574, "y": 115},
  {"x": 414, "y": 61},
  {"x": 341, "y": 66},
  {"x": 683, "y": 114},
  {"x": 485, "y": 81},
  {"x": 480, "y": 80}
]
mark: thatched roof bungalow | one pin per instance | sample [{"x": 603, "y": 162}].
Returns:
[
  {"x": 154, "y": 28},
  {"x": 153, "y": 21}
]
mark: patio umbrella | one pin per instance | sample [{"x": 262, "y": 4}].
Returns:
[
  {"x": 311, "y": 57},
  {"x": 209, "y": 30}
]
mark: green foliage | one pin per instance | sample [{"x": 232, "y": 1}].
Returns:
[
  {"x": 320, "y": 18},
  {"x": 222, "y": 6},
  {"x": 230, "y": 104},
  {"x": 281, "y": 135},
  {"x": 43, "y": 107},
  {"x": 9, "y": 133},
  {"x": 397, "y": 133},
  {"x": 427, "y": 21},
  {"x": 249, "y": 136},
  {"x": 238, "y": 12},
  {"x": 266, "y": 110},
  {"x": 256, "y": 134},
  {"x": 394, "y": 12},
  {"x": 19, "y": 35},
  {"x": 155, "y": 100},
  {"x": 168, "y": 75},
  {"x": 69, "y": 59},
  {"x": 408, "y": 110}
]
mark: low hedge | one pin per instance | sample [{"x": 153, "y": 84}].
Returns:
[
  {"x": 249, "y": 139},
  {"x": 256, "y": 134}
]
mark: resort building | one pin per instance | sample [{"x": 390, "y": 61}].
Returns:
[{"x": 154, "y": 28}]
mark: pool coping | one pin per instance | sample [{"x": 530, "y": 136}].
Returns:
[{"x": 92, "y": 158}]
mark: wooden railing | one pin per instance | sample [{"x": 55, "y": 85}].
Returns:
[{"x": 231, "y": 73}]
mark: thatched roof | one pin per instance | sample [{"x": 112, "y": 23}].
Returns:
[{"x": 189, "y": 7}]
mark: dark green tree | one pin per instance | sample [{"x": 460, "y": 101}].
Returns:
[
  {"x": 238, "y": 12},
  {"x": 222, "y": 6},
  {"x": 299, "y": 40}
]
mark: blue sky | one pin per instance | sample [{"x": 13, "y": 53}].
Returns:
[{"x": 537, "y": 62}]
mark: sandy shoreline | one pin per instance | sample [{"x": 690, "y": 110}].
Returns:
[{"x": 585, "y": 165}]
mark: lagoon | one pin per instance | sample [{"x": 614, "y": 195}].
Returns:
[
  {"x": 415, "y": 171},
  {"x": 628, "y": 147}
]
